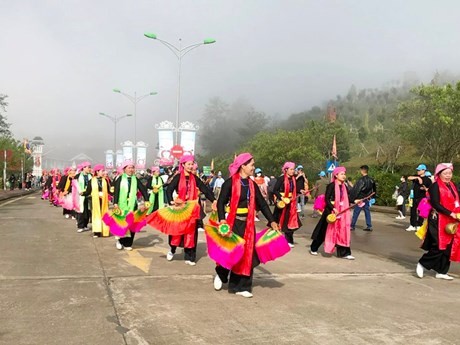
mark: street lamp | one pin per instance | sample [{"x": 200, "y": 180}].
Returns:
[
  {"x": 179, "y": 52},
  {"x": 115, "y": 120},
  {"x": 135, "y": 100}
]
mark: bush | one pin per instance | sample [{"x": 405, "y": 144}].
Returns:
[{"x": 386, "y": 183}]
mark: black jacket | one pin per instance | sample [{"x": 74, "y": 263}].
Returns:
[{"x": 363, "y": 188}]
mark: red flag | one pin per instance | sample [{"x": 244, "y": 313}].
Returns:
[{"x": 334, "y": 148}]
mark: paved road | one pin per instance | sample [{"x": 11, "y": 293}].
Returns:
[{"x": 61, "y": 287}]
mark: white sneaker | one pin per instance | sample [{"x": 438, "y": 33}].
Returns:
[
  {"x": 419, "y": 270},
  {"x": 67, "y": 216},
  {"x": 200, "y": 229},
  {"x": 118, "y": 245},
  {"x": 349, "y": 257},
  {"x": 191, "y": 263},
  {"x": 400, "y": 217},
  {"x": 313, "y": 253},
  {"x": 411, "y": 228},
  {"x": 169, "y": 256},
  {"x": 291, "y": 245},
  {"x": 245, "y": 294},
  {"x": 443, "y": 276},
  {"x": 217, "y": 283},
  {"x": 80, "y": 230},
  {"x": 128, "y": 248},
  {"x": 257, "y": 219},
  {"x": 73, "y": 217}
]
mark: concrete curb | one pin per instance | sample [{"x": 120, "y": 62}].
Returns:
[{"x": 6, "y": 195}]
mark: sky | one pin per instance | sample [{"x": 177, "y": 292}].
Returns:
[{"x": 60, "y": 60}]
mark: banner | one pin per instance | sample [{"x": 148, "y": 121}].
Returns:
[
  {"x": 119, "y": 158},
  {"x": 165, "y": 143},
  {"x": 127, "y": 153},
  {"x": 141, "y": 157},
  {"x": 109, "y": 159},
  {"x": 187, "y": 141}
]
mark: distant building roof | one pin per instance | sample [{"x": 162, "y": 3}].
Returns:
[{"x": 81, "y": 157}]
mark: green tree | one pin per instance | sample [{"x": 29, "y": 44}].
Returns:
[
  {"x": 310, "y": 146},
  {"x": 4, "y": 125},
  {"x": 430, "y": 121}
]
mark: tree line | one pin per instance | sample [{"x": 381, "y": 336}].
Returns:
[{"x": 392, "y": 129}]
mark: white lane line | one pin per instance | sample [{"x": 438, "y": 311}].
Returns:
[{"x": 14, "y": 200}]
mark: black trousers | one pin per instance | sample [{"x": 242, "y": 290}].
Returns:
[
  {"x": 127, "y": 241},
  {"x": 189, "y": 253},
  {"x": 341, "y": 251},
  {"x": 289, "y": 235},
  {"x": 415, "y": 220},
  {"x": 435, "y": 258},
  {"x": 83, "y": 217},
  {"x": 66, "y": 211},
  {"x": 236, "y": 282}
]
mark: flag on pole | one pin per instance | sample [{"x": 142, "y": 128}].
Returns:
[
  {"x": 212, "y": 164},
  {"x": 334, "y": 148},
  {"x": 27, "y": 147}
]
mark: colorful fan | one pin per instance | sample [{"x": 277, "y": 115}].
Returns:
[
  {"x": 224, "y": 250},
  {"x": 116, "y": 222},
  {"x": 424, "y": 208},
  {"x": 421, "y": 232},
  {"x": 137, "y": 220},
  {"x": 271, "y": 245},
  {"x": 67, "y": 202},
  {"x": 320, "y": 203},
  {"x": 45, "y": 194},
  {"x": 175, "y": 220},
  {"x": 213, "y": 219}
]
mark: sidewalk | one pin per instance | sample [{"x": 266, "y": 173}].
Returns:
[{"x": 8, "y": 194}]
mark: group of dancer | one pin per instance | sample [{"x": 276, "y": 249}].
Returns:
[{"x": 175, "y": 210}]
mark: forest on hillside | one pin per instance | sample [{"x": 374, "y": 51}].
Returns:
[{"x": 392, "y": 129}]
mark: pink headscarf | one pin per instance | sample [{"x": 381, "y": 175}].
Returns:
[
  {"x": 66, "y": 170},
  {"x": 185, "y": 159},
  {"x": 337, "y": 171},
  {"x": 98, "y": 167},
  {"x": 126, "y": 163},
  {"x": 288, "y": 165},
  {"x": 85, "y": 164},
  {"x": 442, "y": 166},
  {"x": 155, "y": 169},
  {"x": 238, "y": 162}
]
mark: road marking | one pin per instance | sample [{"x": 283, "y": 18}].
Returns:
[
  {"x": 11, "y": 201},
  {"x": 155, "y": 250},
  {"x": 136, "y": 259}
]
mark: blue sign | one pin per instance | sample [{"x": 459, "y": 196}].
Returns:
[{"x": 331, "y": 165}]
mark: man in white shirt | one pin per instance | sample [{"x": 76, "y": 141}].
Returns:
[{"x": 218, "y": 185}]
